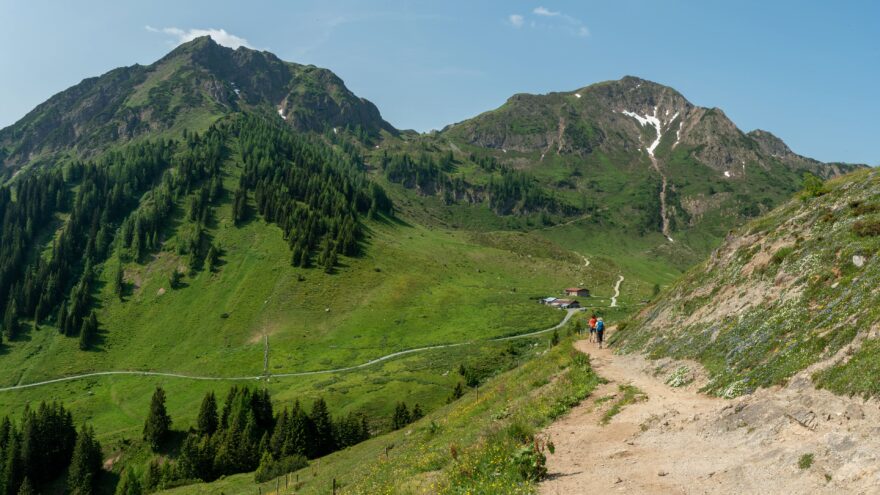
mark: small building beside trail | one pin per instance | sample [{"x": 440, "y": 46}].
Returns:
[
  {"x": 548, "y": 300},
  {"x": 566, "y": 304},
  {"x": 577, "y": 292}
]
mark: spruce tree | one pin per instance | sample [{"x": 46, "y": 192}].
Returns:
[
  {"x": 85, "y": 465},
  {"x": 207, "y": 422},
  {"x": 211, "y": 258},
  {"x": 457, "y": 392},
  {"x": 129, "y": 484},
  {"x": 10, "y": 319},
  {"x": 26, "y": 487},
  {"x": 153, "y": 476},
  {"x": 323, "y": 443},
  {"x": 38, "y": 314},
  {"x": 158, "y": 422},
  {"x": 62, "y": 317},
  {"x": 88, "y": 331},
  {"x": 401, "y": 416},
  {"x": 13, "y": 471},
  {"x": 119, "y": 282},
  {"x": 417, "y": 413}
]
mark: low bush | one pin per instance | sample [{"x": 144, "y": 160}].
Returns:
[{"x": 867, "y": 228}]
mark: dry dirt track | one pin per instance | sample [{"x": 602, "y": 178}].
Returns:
[{"x": 679, "y": 441}]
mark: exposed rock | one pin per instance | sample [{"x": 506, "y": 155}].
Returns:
[{"x": 805, "y": 418}]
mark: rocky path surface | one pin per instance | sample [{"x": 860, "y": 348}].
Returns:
[{"x": 679, "y": 441}]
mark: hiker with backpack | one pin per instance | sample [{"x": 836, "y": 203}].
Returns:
[
  {"x": 592, "y": 324},
  {"x": 600, "y": 332}
]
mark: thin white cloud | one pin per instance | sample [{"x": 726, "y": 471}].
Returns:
[
  {"x": 516, "y": 20},
  {"x": 552, "y": 20},
  {"x": 221, "y": 36},
  {"x": 545, "y": 12}
]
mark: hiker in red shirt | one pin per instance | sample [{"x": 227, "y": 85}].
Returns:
[{"x": 593, "y": 328}]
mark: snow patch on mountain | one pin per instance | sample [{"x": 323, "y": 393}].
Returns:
[{"x": 649, "y": 119}]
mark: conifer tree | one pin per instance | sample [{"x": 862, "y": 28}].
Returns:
[
  {"x": 88, "y": 331},
  {"x": 129, "y": 484},
  {"x": 417, "y": 413},
  {"x": 62, "y": 318},
  {"x": 119, "y": 282},
  {"x": 401, "y": 416},
  {"x": 207, "y": 422},
  {"x": 211, "y": 258},
  {"x": 153, "y": 476},
  {"x": 85, "y": 465},
  {"x": 26, "y": 487},
  {"x": 13, "y": 471},
  {"x": 323, "y": 442},
  {"x": 158, "y": 422},
  {"x": 10, "y": 319},
  {"x": 457, "y": 392}
]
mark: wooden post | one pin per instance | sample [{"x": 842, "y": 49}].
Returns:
[
  {"x": 277, "y": 486},
  {"x": 334, "y": 486},
  {"x": 286, "y": 480}
]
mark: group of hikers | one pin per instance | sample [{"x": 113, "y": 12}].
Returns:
[{"x": 597, "y": 329}]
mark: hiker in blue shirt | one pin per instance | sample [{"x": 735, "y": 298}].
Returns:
[{"x": 600, "y": 332}]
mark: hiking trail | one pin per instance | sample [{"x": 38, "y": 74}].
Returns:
[
  {"x": 616, "y": 291},
  {"x": 266, "y": 375},
  {"x": 679, "y": 441}
]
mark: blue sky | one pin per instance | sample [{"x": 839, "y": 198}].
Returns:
[{"x": 806, "y": 71}]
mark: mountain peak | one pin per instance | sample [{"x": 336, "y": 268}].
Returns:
[{"x": 193, "y": 85}]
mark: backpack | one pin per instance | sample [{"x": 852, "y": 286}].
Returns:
[{"x": 600, "y": 326}]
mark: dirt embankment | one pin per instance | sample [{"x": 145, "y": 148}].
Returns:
[{"x": 794, "y": 439}]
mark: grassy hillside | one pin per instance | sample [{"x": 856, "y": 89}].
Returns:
[
  {"x": 474, "y": 445},
  {"x": 792, "y": 291}
]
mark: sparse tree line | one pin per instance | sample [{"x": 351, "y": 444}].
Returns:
[
  {"x": 315, "y": 194},
  {"x": 245, "y": 435},
  {"x": 120, "y": 206},
  {"x": 507, "y": 192},
  {"x": 42, "y": 446}
]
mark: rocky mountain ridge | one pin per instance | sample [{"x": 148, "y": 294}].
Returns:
[{"x": 189, "y": 88}]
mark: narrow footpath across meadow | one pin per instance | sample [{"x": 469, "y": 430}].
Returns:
[
  {"x": 568, "y": 314},
  {"x": 638, "y": 435},
  {"x": 616, "y": 291}
]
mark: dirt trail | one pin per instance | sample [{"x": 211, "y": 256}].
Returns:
[
  {"x": 679, "y": 441},
  {"x": 568, "y": 314},
  {"x": 616, "y": 291}
]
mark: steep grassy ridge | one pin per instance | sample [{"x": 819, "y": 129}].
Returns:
[{"x": 794, "y": 290}]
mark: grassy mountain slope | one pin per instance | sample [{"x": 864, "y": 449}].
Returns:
[
  {"x": 544, "y": 193},
  {"x": 589, "y": 147},
  {"x": 478, "y": 444},
  {"x": 794, "y": 290}
]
